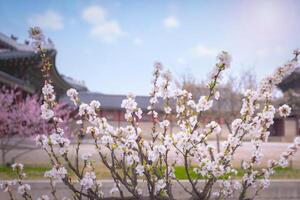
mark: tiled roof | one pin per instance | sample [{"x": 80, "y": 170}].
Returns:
[
  {"x": 18, "y": 51},
  {"x": 11, "y": 80},
  {"x": 291, "y": 81},
  {"x": 15, "y": 54},
  {"x": 112, "y": 102},
  {"x": 12, "y": 44}
]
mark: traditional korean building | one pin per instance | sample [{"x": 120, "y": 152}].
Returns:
[
  {"x": 287, "y": 129},
  {"x": 20, "y": 66}
]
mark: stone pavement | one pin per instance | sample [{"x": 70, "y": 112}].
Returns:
[
  {"x": 279, "y": 190},
  {"x": 271, "y": 150}
]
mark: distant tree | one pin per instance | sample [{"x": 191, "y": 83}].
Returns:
[
  {"x": 20, "y": 119},
  {"x": 231, "y": 93}
]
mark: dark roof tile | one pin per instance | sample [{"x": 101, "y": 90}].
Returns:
[{"x": 112, "y": 102}]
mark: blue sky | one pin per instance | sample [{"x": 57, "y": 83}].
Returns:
[{"x": 112, "y": 45}]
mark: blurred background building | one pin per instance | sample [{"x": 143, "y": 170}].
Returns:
[{"x": 20, "y": 67}]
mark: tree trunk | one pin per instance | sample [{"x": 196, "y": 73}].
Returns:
[
  {"x": 3, "y": 156},
  {"x": 218, "y": 142}
]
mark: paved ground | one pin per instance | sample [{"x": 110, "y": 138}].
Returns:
[
  {"x": 279, "y": 190},
  {"x": 271, "y": 150},
  {"x": 283, "y": 190}
]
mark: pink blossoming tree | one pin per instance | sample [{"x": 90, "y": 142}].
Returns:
[{"x": 20, "y": 120}]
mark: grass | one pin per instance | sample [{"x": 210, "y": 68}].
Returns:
[
  {"x": 36, "y": 172},
  {"x": 280, "y": 173},
  {"x": 33, "y": 172},
  {"x": 286, "y": 173}
]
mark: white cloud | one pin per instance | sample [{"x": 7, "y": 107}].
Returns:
[
  {"x": 49, "y": 20},
  {"x": 137, "y": 41},
  {"x": 108, "y": 30},
  {"x": 171, "y": 22},
  {"x": 204, "y": 51},
  {"x": 94, "y": 14},
  {"x": 102, "y": 27}
]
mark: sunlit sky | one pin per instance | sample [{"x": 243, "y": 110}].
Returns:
[{"x": 112, "y": 45}]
